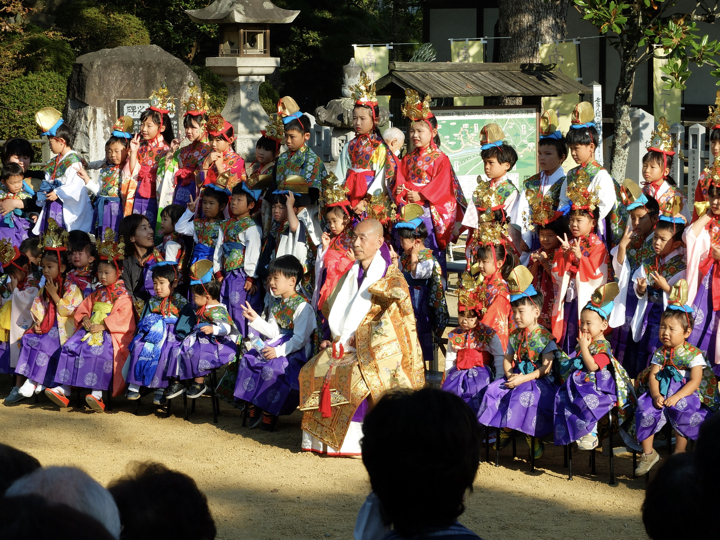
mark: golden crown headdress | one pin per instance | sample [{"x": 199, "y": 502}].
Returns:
[
  {"x": 364, "y": 92},
  {"x": 490, "y": 233},
  {"x": 519, "y": 280},
  {"x": 381, "y": 207},
  {"x": 679, "y": 294},
  {"x": 542, "y": 210},
  {"x": 54, "y": 238},
  {"x": 491, "y": 134},
  {"x": 714, "y": 117},
  {"x": 581, "y": 194},
  {"x": 467, "y": 293},
  {"x": 485, "y": 197},
  {"x": 335, "y": 194},
  {"x": 583, "y": 113},
  {"x": 197, "y": 102},
  {"x": 8, "y": 252},
  {"x": 275, "y": 130},
  {"x": 661, "y": 140},
  {"x": 124, "y": 125},
  {"x": 161, "y": 101},
  {"x": 549, "y": 123},
  {"x": 630, "y": 192},
  {"x": 215, "y": 122},
  {"x": 108, "y": 249},
  {"x": 413, "y": 108}
]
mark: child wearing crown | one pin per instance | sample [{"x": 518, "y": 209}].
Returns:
[
  {"x": 679, "y": 386},
  {"x": 261, "y": 171},
  {"x": 178, "y": 169},
  {"x": 427, "y": 178},
  {"x": 582, "y": 263},
  {"x": 62, "y": 194},
  {"x": 595, "y": 382},
  {"x": 582, "y": 140},
  {"x": 474, "y": 353},
  {"x": 705, "y": 179},
  {"x": 522, "y": 400},
  {"x": 652, "y": 283},
  {"x": 365, "y": 164},
  {"x": 95, "y": 355},
  {"x": 147, "y": 148},
  {"x": 222, "y": 166},
  {"x": 424, "y": 278}
]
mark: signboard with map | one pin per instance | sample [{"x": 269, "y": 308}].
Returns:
[{"x": 459, "y": 130}]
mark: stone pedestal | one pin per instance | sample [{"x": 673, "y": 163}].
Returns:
[{"x": 243, "y": 77}]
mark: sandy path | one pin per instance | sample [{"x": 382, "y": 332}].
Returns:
[{"x": 261, "y": 486}]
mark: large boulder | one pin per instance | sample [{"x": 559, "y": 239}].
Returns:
[{"x": 99, "y": 79}]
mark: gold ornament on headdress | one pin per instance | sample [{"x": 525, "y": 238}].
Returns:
[
  {"x": 679, "y": 294},
  {"x": 215, "y": 122},
  {"x": 54, "y": 238},
  {"x": 46, "y": 118},
  {"x": 275, "y": 130},
  {"x": 124, "y": 124},
  {"x": 491, "y": 133},
  {"x": 490, "y": 232},
  {"x": 197, "y": 101},
  {"x": 8, "y": 253},
  {"x": 581, "y": 195},
  {"x": 364, "y": 91},
  {"x": 630, "y": 192},
  {"x": 200, "y": 268},
  {"x": 334, "y": 194},
  {"x": 108, "y": 249},
  {"x": 160, "y": 99},
  {"x": 485, "y": 197},
  {"x": 287, "y": 106},
  {"x": 549, "y": 123},
  {"x": 542, "y": 210},
  {"x": 223, "y": 181},
  {"x": 413, "y": 108},
  {"x": 605, "y": 294},
  {"x": 583, "y": 113},
  {"x": 661, "y": 140},
  {"x": 672, "y": 207},
  {"x": 411, "y": 211},
  {"x": 519, "y": 280},
  {"x": 714, "y": 117},
  {"x": 381, "y": 207},
  {"x": 467, "y": 293}
]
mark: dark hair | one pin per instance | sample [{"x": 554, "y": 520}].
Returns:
[
  {"x": 167, "y": 271},
  {"x": 32, "y": 245},
  {"x": 503, "y": 154},
  {"x": 469, "y": 313},
  {"x": 656, "y": 158},
  {"x": 212, "y": 288},
  {"x": 713, "y": 190},
  {"x": 335, "y": 210},
  {"x": 14, "y": 271},
  {"x": 301, "y": 124},
  {"x": 279, "y": 198},
  {"x": 486, "y": 252},
  {"x": 63, "y": 132},
  {"x": 676, "y": 480},
  {"x": 429, "y": 430},
  {"x": 11, "y": 169},
  {"x": 173, "y": 211},
  {"x": 420, "y": 232},
  {"x": 189, "y": 120},
  {"x": 652, "y": 206},
  {"x": 559, "y": 144},
  {"x": 126, "y": 230},
  {"x": 15, "y": 464},
  {"x": 686, "y": 320},
  {"x": 239, "y": 191},
  {"x": 114, "y": 139},
  {"x": 714, "y": 134},
  {"x": 160, "y": 119},
  {"x": 145, "y": 516},
  {"x": 84, "y": 244},
  {"x": 266, "y": 143},
  {"x": 77, "y": 237},
  {"x": 559, "y": 227},
  {"x": 677, "y": 229},
  {"x": 592, "y": 214},
  {"x": 433, "y": 123},
  {"x": 59, "y": 257},
  {"x": 220, "y": 196},
  {"x": 583, "y": 310},
  {"x": 17, "y": 147},
  {"x": 534, "y": 301},
  {"x": 117, "y": 264},
  {"x": 584, "y": 136},
  {"x": 288, "y": 266}
]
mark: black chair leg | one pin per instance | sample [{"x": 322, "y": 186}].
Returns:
[
  {"x": 185, "y": 403},
  {"x": 215, "y": 404},
  {"x": 487, "y": 444},
  {"x": 568, "y": 449},
  {"x": 167, "y": 411},
  {"x": 514, "y": 446},
  {"x": 137, "y": 405},
  {"x": 612, "y": 452},
  {"x": 497, "y": 448},
  {"x": 592, "y": 461},
  {"x": 634, "y": 453},
  {"x": 532, "y": 454}
]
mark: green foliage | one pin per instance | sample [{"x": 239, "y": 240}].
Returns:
[
  {"x": 425, "y": 53},
  {"x": 269, "y": 97},
  {"x": 43, "y": 53},
  {"x": 92, "y": 27},
  {"x": 23, "y": 96},
  {"x": 213, "y": 85}
]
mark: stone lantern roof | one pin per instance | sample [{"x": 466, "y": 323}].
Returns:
[{"x": 243, "y": 12}]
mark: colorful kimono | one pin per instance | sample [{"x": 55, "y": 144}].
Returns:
[
  {"x": 15, "y": 226},
  {"x": 613, "y": 214},
  {"x": 330, "y": 266},
  {"x": 40, "y": 350},
  {"x": 303, "y": 162},
  {"x": 688, "y": 414},
  {"x": 703, "y": 277},
  {"x": 147, "y": 288},
  {"x": 543, "y": 282},
  {"x": 254, "y": 172},
  {"x": 140, "y": 190},
  {"x": 177, "y": 173},
  {"x": 429, "y": 172},
  {"x": 96, "y": 361},
  {"x": 701, "y": 190},
  {"x": 200, "y": 353},
  {"x": 236, "y": 256},
  {"x": 495, "y": 300},
  {"x": 233, "y": 165},
  {"x": 272, "y": 385},
  {"x": 662, "y": 192},
  {"x": 539, "y": 186},
  {"x": 527, "y": 408},
  {"x": 72, "y": 210},
  {"x": 204, "y": 232},
  {"x": 469, "y": 363},
  {"x": 585, "y": 397},
  {"x": 428, "y": 299},
  {"x": 108, "y": 206},
  {"x": 365, "y": 166},
  {"x": 163, "y": 325},
  {"x": 574, "y": 282},
  {"x": 645, "y": 324},
  {"x": 15, "y": 319}
]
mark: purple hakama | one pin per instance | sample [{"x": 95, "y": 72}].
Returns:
[
  {"x": 39, "y": 356},
  {"x": 686, "y": 416},
  {"x": 168, "y": 353},
  {"x": 147, "y": 208},
  {"x": 469, "y": 384},
  {"x": 199, "y": 353},
  {"x": 234, "y": 295},
  {"x": 84, "y": 365}
]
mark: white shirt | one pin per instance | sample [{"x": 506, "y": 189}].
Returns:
[{"x": 303, "y": 327}]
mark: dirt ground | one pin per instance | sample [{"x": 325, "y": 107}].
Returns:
[{"x": 261, "y": 486}]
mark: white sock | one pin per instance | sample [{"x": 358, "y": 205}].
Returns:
[
  {"x": 39, "y": 388},
  {"x": 97, "y": 394},
  {"x": 134, "y": 388},
  {"x": 27, "y": 389},
  {"x": 63, "y": 390}
]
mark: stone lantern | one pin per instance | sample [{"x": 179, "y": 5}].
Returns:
[{"x": 243, "y": 60}]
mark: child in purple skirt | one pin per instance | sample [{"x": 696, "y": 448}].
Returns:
[
  {"x": 523, "y": 399},
  {"x": 212, "y": 342},
  {"x": 268, "y": 377},
  {"x": 15, "y": 224},
  {"x": 678, "y": 386},
  {"x": 595, "y": 383}
]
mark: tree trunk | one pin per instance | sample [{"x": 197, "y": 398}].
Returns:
[
  {"x": 527, "y": 24},
  {"x": 623, "y": 127}
]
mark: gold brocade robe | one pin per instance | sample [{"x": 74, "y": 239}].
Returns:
[{"x": 388, "y": 356}]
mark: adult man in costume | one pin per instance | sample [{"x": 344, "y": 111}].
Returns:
[{"x": 374, "y": 348}]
